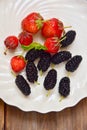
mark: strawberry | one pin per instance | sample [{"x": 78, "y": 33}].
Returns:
[
  {"x": 52, "y": 27},
  {"x": 32, "y": 23},
  {"x": 52, "y": 44},
  {"x": 25, "y": 38},
  {"x": 18, "y": 63},
  {"x": 11, "y": 42}
]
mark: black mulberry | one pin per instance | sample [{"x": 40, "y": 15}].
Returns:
[
  {"x": 73, "y": 63},
  {"x": 22, "y": 85},
  {"x": 64, "y": 86},
  {"x": 61, "y": 57},
  {"x": 50, "y": 79},
  {"x": 31, "y": 72},
  {"x": 70, "y": 36},
  {"x": 44, "y": 61},
  {"x": 32, "y": 55}
]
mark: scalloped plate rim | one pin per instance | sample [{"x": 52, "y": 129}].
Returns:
[{"x": 46, "y": 111}]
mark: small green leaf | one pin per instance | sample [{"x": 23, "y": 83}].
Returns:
[{"x": 34, "y": 45}]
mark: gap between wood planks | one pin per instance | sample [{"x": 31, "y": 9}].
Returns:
[
  {"x": 5, "y": 116},
  {"x": 2, "y": 116}
]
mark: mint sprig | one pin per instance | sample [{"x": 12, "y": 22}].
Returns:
[{"x": 34, "y": 45}]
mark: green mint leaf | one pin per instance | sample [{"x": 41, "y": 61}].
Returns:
[{"x": 34, "y": 45}]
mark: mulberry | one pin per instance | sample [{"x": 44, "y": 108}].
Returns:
[
  {"x": 50, "y": 79},
  {"x": 22, "y": 85},
  {"x": 70, "y": 36},
  {"x": 31, "y": 72},
  {"x": 64, "y": 86},
  {"x": 73, "y": 63},
  {"x": 32, "y": 55},
  {"x": 44, "y": 61},
  {"x": 61, "y": 57}
]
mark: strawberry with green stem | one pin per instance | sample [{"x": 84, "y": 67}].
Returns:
[
  {"x": 53, "y": 44},
  {"x": 11, "y": 43},
  {"x": 52, "y": 28},
  {"x": 25, "y": 38},
  {"x": 32, "y": 23},
  {"x": 17, "y": 63}
]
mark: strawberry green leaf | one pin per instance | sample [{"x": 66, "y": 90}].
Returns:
[{"x": 34, "y": 45}]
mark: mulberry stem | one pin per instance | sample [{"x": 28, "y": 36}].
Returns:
[
  {"x": 61, "y": 98},
  {"x": 48, "y": 93},
  {"x": 41, "y": 73},
  {"x": 37, "y": 83}
]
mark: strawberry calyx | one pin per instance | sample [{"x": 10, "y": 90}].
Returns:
[{"x": 39, "y": 23}]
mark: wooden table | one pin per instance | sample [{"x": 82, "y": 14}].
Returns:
[{"x": 75, "y": 118}]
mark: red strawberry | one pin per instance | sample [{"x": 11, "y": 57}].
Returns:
[
  {"x": 11, "y": 42},
  {"x": 18, "y": 63},
  {"x": 25, "y": 38},
  {"x": 32, "y": 23},
  {"x": 52, "y": 27},
  {"x": 52, "y": 44}
]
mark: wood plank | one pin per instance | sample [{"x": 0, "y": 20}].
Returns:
[
  {"x": 73, "y": 118},
  {"x": 16, "y": 119},
  {"x": 69, "y": 119},
  {"x": 1, "y": 115}
]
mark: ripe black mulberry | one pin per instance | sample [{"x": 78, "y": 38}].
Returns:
[
  {"x": 32, "y": 55},
  {"x": 64, "y": 86},
  {"x": 70, "y": 36},
  {"x": 61, "y": 57},
  {"x": 50, "y": 79},
  {"x": 22, "y": 85},
  {"x": 44, "y": 62},
  {"x": 73, "y": 63},
  {"x": 31, "y": 72}
]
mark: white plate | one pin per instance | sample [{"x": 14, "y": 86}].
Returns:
[{"x": 71, "y": 12}]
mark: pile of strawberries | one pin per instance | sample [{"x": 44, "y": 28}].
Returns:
[{"x": 52, "y": 30}]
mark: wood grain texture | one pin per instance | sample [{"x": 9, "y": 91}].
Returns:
[
  {"x": 69, "y": 119},
  {"x": 1, "y": 115}
]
